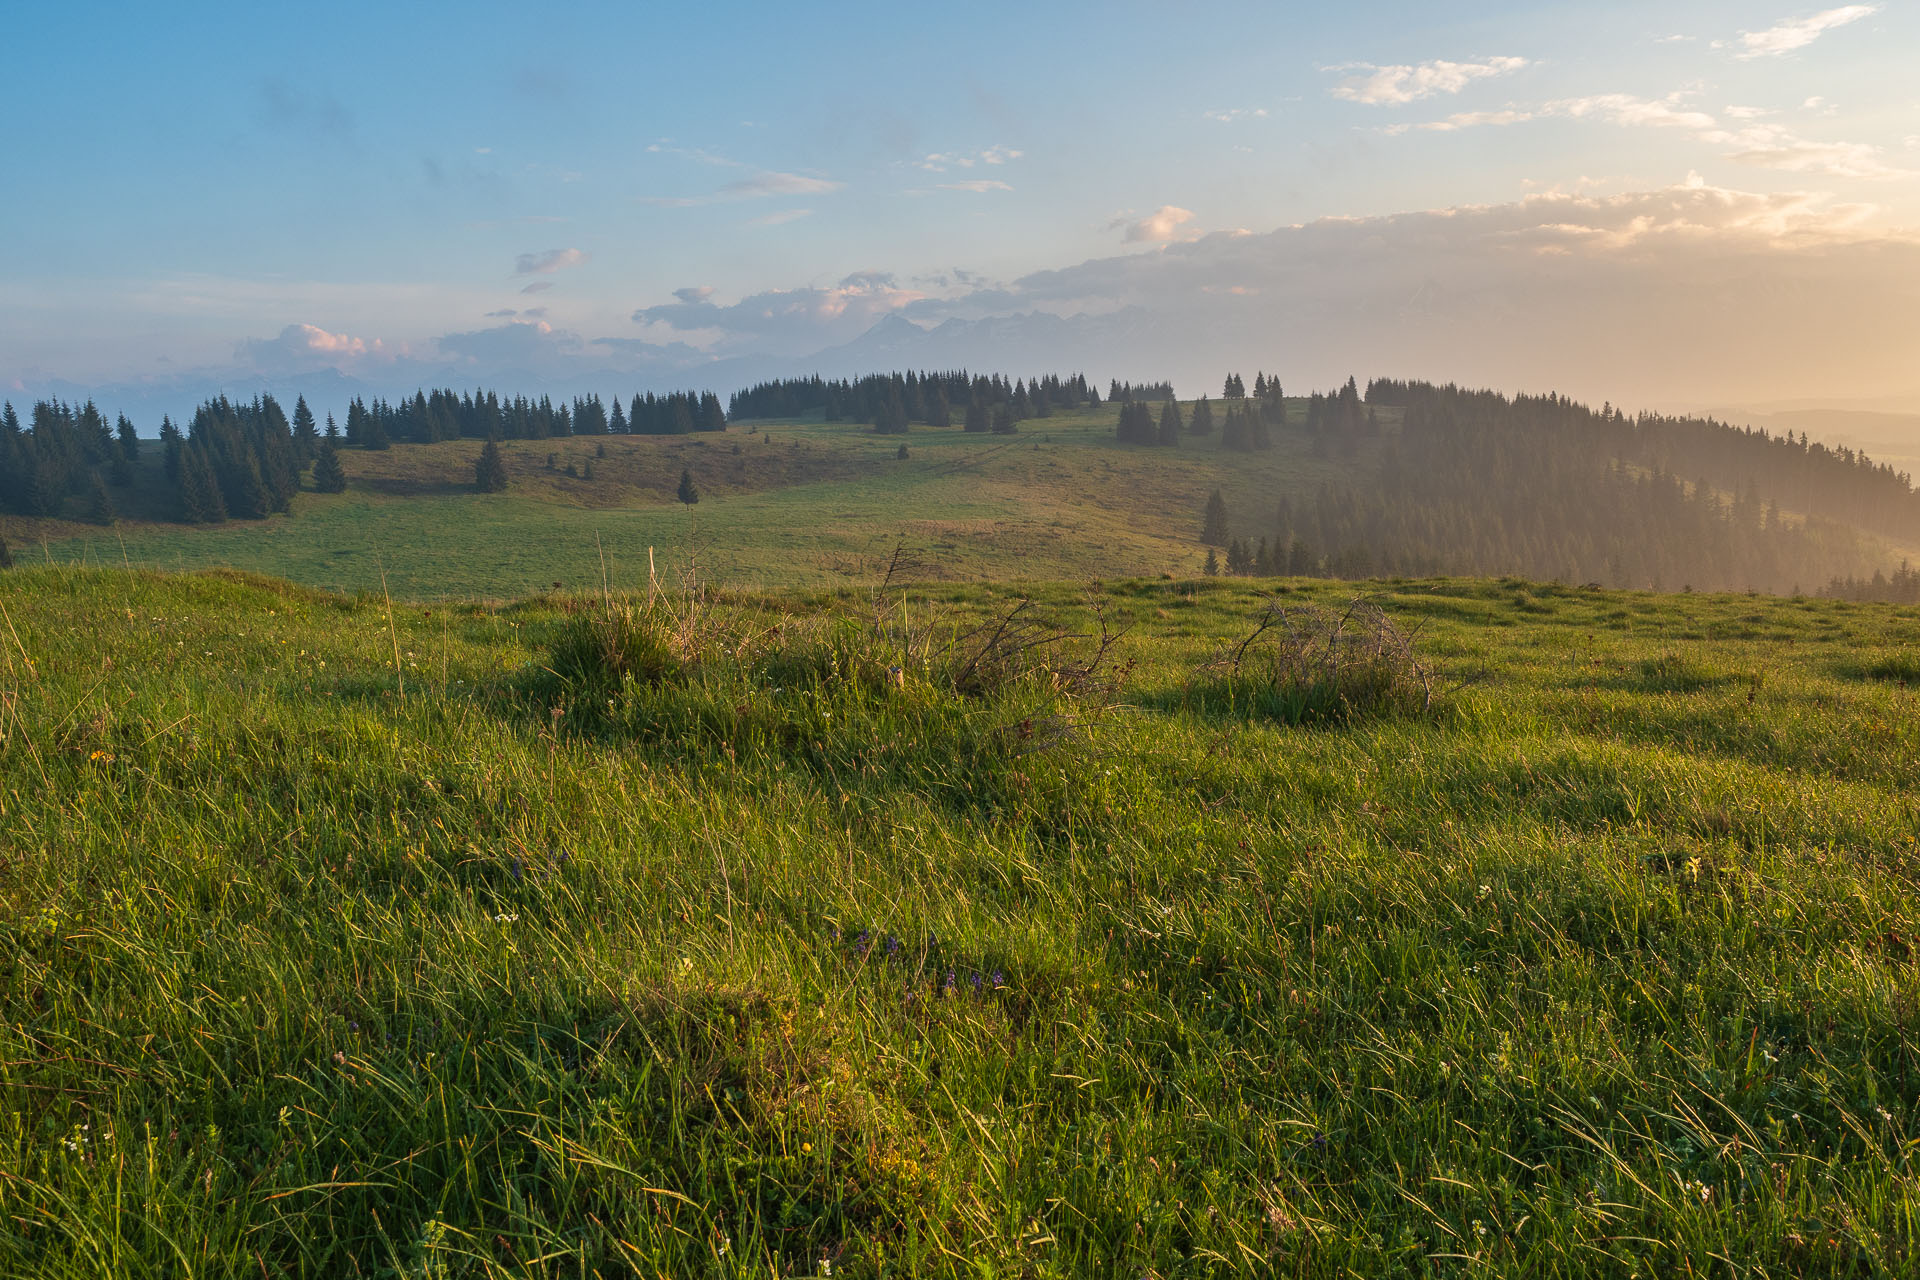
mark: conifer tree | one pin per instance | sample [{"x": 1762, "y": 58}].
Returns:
[
  {"x": 1213, "y": 523},
  {"x": 306, "y": 440},
  {"x": 200, "y": 499},
  {"x": 1202, "y": 423},
  {"x": 1003, "y": 424},
  {"x": 333, "y": 429},
  {"x": 686, "y": 492},
  {"x": 99, "y": 501},
  {"x": 490, "y": 472},
  {"x": 1213, "y": 563},
  {"x": 1170, "y": 423},
  {"x": 977, "y": 418},
  {"x": 6, "y": 554},
  {"x": 129, "y": 440},
  {"x": 328, "y": 475}
]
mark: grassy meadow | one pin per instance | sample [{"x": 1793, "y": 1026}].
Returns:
[
  {"x": 782, "y": 504},
  {"x": 911, "y": 931}
]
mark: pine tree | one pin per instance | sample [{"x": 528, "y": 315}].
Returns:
[
  {"x": 200, "y": 500},
  {"x": 1003, "y": 424},
  {"x": 1202, "y": 423},
  {"x": 977, "y": 418},
  {"x": 1213, "y": 524},
  {"x": 490, "y": 472},
  {"x": 328, "y": 475},
  {"x": 902, "y": 451},
  {"x": 686, "y": 492},
  {"x": 333, "y": 429},
  {"x": 1170, "y": 423},
  {"x": 99, "y": 501},
  {"x": 1213, "y": 563},
  {"x": 306, "y": 440},
  {"x": 6, "y": 554},
  {"x": 129, "y": 440}
]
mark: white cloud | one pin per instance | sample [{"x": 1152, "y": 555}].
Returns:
[
  {"x": 1163, "y": 226},
  {"x": 941, "y": 161},
  {"x": 1392, "y": 86},
  {"x": 1466, "y": 120},
  {"x": 303, "y": 347},
  {"x": 1770, "y": 147},
  {"x": 1798, "y": 33},
  {"x": 545, "y": 264},
  {"x": 1625, "y": 109},
  {"x": 975, "y": 184},
  {"x": 1232, "y": 114},
  {"x": 779, "y": 217},
  {"x": 1748, "y": 113}
]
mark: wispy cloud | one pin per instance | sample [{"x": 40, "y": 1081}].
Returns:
[
  {"x": 1466, "y": 120},
  {"x": 941, "y": 161},
  {"x": 1771, "y": 147},
  {"x": 974, "y": 184},
  {"x": 779, "y": 217},
  {"x": 759, "y": 186},
  {"x": 538, "y": 286},
  {"x": 1394, "y": 85},
  {"x": 1231, "y": 114},
  {"x": 545, "y": 264},
  {"x": 1625, "y": 109},
  {"x": 1798, "y": 33}
]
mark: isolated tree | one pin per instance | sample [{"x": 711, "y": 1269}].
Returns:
[
  {"x": 490, "y": 472},
  {"x": 1213, "y": 524},
  {"x": 328, "y": 475},
  {"x": 686, "y": 492},
  {"x": 1213, "y": 563}
]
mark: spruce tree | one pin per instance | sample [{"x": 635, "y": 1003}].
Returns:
[
  {"x": 976, "y": 419},
  {"x": 1202, "y": 423},
  {"x": 1213, "y": 563},
  {"x": 129, "y": 440},
  {"x": 1170, "y": 423},
  {"x": 686, "y": 492},
  {"x": 328, "y": 475},
  {"x": 6, "y": 554},
  {"x": 1213, "y": 524},
  {"x": 99, "y": 501},
  {"x": 306, "y": 440},
  {"x": 490, "y": 472},
  {"x": 1003, "y": 421}
]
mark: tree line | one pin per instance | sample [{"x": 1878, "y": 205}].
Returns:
[
  {"x": 429, "y": 417},
  {"x": 893, "y": 401}
]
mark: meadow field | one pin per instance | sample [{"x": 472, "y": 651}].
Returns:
[
  {"x": 926, "y": 928},
  {"x": 790, "y": 503}
]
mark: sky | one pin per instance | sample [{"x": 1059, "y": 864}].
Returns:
[{"x": 1658, "y": 202}]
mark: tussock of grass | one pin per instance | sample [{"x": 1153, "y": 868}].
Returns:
[
  {"x": 1309, "y": 664},
  {"x": 1681, "y": 673}
]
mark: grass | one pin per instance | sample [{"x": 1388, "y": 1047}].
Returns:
[{"x": 802, "y": 956}]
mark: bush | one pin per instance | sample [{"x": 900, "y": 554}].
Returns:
[{"x": 1307, "y": 664}]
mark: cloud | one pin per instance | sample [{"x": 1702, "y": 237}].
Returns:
[
  {"x": 1625, "y": 109},
  {"x": 304, "y": 347},
  {"x": 1162, "y": 226},
  {"x": 1395, "y": 85},
  {"x": 1691, "y": 291},
  {"x": 782, "y": 322},
  {"x": 538, "y": 286},
  {"x": 779, "y": 217},
  {"x": 545, "y": 264},
  {"x": 1466, "y": 120},
  {"x": 756, "y": 187},
  {"x": 1798, "y": 33},
  {"x": 506, "y": 313},
  {"x": 974, "y": 184},
  {"x": 1232, "y": 114},
  {"x": 1774, "y": 148},
  {"x": 941, "y": 161}
]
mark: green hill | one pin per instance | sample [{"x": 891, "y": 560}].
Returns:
[{"x": 893, "y": 933}]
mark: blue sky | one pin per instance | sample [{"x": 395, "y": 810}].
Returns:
[{"x": 242, "y": 186}]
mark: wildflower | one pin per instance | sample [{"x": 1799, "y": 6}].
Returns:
[
  {"x": 506, "y": 917},
  {"x": 976, "y": 982},
  {"x": 806, "y": 1148},
  {"x": 518, "y": 865},
  {"x": 1000, "y": 979},
  {"x": 893, "y": 945}
]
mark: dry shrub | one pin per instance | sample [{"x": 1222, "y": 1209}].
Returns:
[{"x": 1308, "y": 664}]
